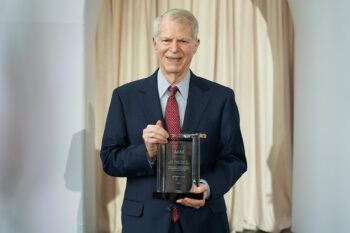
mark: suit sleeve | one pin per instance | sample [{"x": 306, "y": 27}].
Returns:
[
  {"x": 231, "y": 162},
  {"x": 119, "y": 157}
]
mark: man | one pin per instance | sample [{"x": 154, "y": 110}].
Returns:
[{"x": 139, "y": 118}]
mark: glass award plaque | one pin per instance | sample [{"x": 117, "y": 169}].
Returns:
[{"x": 178, "y": 167}]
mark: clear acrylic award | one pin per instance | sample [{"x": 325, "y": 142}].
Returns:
[{"x": 178, "y": 167}]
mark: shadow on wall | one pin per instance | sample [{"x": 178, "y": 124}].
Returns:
[
  {"x": 82, "y": 171},
  {"x": 73, "y": 175},
  {"x": 80, "y": 174}
]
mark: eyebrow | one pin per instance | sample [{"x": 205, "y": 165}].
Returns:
[{"x": 165, "y": 37}]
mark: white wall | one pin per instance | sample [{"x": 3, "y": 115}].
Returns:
[
  {"x": 321, "y": 189},
  {"x": 44, "y": 49}
]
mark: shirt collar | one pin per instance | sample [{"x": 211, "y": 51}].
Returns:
[{"x": 183, "y": 86}]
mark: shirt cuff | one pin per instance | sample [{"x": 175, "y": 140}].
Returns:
[
  {"x": 151, "y": 161},
  {"x": 205, "y": 182}
]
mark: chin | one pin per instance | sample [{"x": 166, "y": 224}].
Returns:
[{"x": 172, "y": 69}]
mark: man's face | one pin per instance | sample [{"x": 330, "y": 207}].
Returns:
[{"x": 175, "y": 48}]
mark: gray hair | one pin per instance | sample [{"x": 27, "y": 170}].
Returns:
[{"x": 179, "y": 15}]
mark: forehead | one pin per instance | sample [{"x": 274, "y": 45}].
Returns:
[{"x": 174, "y": 27}]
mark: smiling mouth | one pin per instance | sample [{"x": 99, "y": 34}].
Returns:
[{"x": 174, "y": 59}]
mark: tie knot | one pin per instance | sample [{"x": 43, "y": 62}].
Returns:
[{"x": 173, "y": 90}]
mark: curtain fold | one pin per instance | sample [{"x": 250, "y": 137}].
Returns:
[{"x": 245, "y": 45}]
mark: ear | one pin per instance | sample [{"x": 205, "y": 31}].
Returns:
[
  {"x": 154, "y": 43},
  {"x": 197, "y": 43}
]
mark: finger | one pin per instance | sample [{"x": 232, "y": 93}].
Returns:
[
  {"x": 193, "y": 188},
  {"x": 156, "y": 129},
  {"x": 199, "y": 189},
  {"x": 202, "y": 188},
  {"x": 183, "y": 202},
  {"x": 192, "y": 202},
  {"x": 154, "y": 140},
  {"x": 159, "y": 123},
  {"x": 154, "y": 137}
]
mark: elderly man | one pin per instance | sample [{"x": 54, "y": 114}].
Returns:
[{"x": 143, "y": 113}]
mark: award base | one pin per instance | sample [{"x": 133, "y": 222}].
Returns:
[{"x": 176, "y": 196}]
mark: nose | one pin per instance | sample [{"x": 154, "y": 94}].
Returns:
[{"x": 174, "y": 46}]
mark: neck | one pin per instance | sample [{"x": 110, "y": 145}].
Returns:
[{"x": 174, "y": 78}]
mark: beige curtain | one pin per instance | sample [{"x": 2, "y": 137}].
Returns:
[{"x": 246, "y": 45}]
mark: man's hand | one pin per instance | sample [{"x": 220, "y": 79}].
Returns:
[
  {"x": 202, "y": 188},
  {"x": 153, "y": 135}
]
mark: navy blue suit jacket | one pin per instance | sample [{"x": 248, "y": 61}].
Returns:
[{"x": 211, "y": 109}]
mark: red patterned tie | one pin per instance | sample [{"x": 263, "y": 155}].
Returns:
[
  {"x": 172, "y": 119},
  {"x": 174, "y": 214}
]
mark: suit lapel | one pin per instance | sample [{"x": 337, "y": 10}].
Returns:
[
  {"x": 196, "y": 104},
  {"x": 149, "y": 99}
]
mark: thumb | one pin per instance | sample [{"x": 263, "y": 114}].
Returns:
[{"x": 159, "y": 123}]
